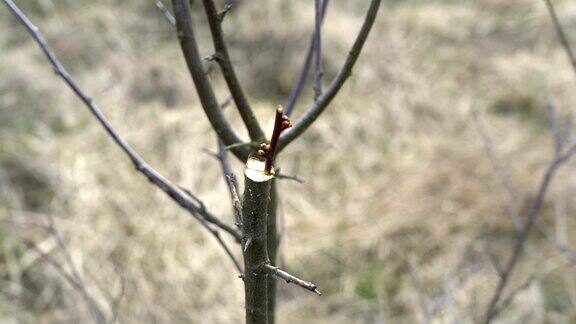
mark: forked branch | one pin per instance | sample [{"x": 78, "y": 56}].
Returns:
[
  {"x": 561, "y": 34},
  {"x": 223, "y": 60},
  {"x": 561, "y": 156},
  {"x": 184, "y": 27},
  {"x": 324, "y": 100},
  {"x": 295, "y": 95}
]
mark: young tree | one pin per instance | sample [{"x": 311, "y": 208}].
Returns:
[{"x": 255, "y": 228}]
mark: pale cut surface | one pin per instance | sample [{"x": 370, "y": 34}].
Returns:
[{"x": 255, "y": 171}]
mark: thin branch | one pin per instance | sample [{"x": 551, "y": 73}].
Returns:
[
  {"x": 555, "y": 129},
  {"x": 324, "y": 100},
  {"x": 522, "y": 237},
  {"x": 184, "y": 26},
  {"x": 563, "y": 248},
  {"x": 222, "y": 14},
  {"x": 166, "y": 13},
  {"x": 274, "y": 271},
  {"x": 494, "y": 260},
  {"x": 561, "y": 156},
  {"x": 222, "y": 157},
  {"x": 454, "y": 281},
  {"x": 177, "y": 194},
  {"x": 561, "y": 34},
  {"x": 214, "y": 21},
  {"x": 510, "y": 298},
  {"x": 239, "y": 145},
  {"x": 289, "y": 177},
  {"x": 236, "y": 204},
  {"x": 318, "y": 49},
  {"x": 74, "y": 279},
  {"x": 499, "y": 168},
  {"x": 295, "y": 95}
]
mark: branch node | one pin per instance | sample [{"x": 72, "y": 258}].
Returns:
[
  {"x": 216, "y": 57},
  {"x": 278, "y": 273},
  {"x": 224, "y": 11}
]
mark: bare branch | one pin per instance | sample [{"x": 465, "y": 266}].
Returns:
[
  {"x": 295, "y": 95},
  {"x": 74, "y": 279},
  {"x": 214, "y": 21},
  {"x": 519, "y": 245},
  {"x": 318, "y": 49},
  {"x": 563, "y": 248},
  {"x": 494, "y": 260},
  {"x": 205, "y": 92},
  {"x": 561, "y": 34},
  {"x": 454, "y": 281},
  {"x": 274, "y": 271},
  {"x": 237, "y": 206},
  {"x": 177, "y": 194},
  {"x": 555, "y": 129},
  {"x": 500, "y": 170},
  {"x": 166, "y": 13},
  {"x": 239, "y": 145},
  {"x": 222, "y": 156},
  {"x": 510, "y": 298},
  {"x": 324, "y": 100},
  {"x": 289, "y": 177}
]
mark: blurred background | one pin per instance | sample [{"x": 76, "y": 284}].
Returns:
[{"x": 400, "y": 207}]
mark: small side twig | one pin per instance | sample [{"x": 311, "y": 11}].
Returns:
[
  {"x": 289, "y": 177},
  {"x": 512, "y": 295},
  {"x": 166, "y": 13},
  {"x": 275, "y": 271},
  {"x": 494, "y": 260},
  {"x": 560, "y": 158}
]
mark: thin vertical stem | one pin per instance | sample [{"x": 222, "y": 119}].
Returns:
[
  {"x": 318, "y": 49},
  {"x": 295, "y": 95}
]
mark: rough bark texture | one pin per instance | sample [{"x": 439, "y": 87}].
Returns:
[
  {"x": 273, "y": 240},
  {"x": 254, "y": 211}
]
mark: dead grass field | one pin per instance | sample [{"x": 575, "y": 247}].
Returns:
[{"x": 399, "y": 197}]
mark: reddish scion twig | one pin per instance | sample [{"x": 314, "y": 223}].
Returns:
[{"x": 268, "y": 151}]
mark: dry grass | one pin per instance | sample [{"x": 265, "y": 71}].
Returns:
[{"x": 397, "y": 183}]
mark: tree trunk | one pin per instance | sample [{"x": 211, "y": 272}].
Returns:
[{"x": 254, "y": 212}]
